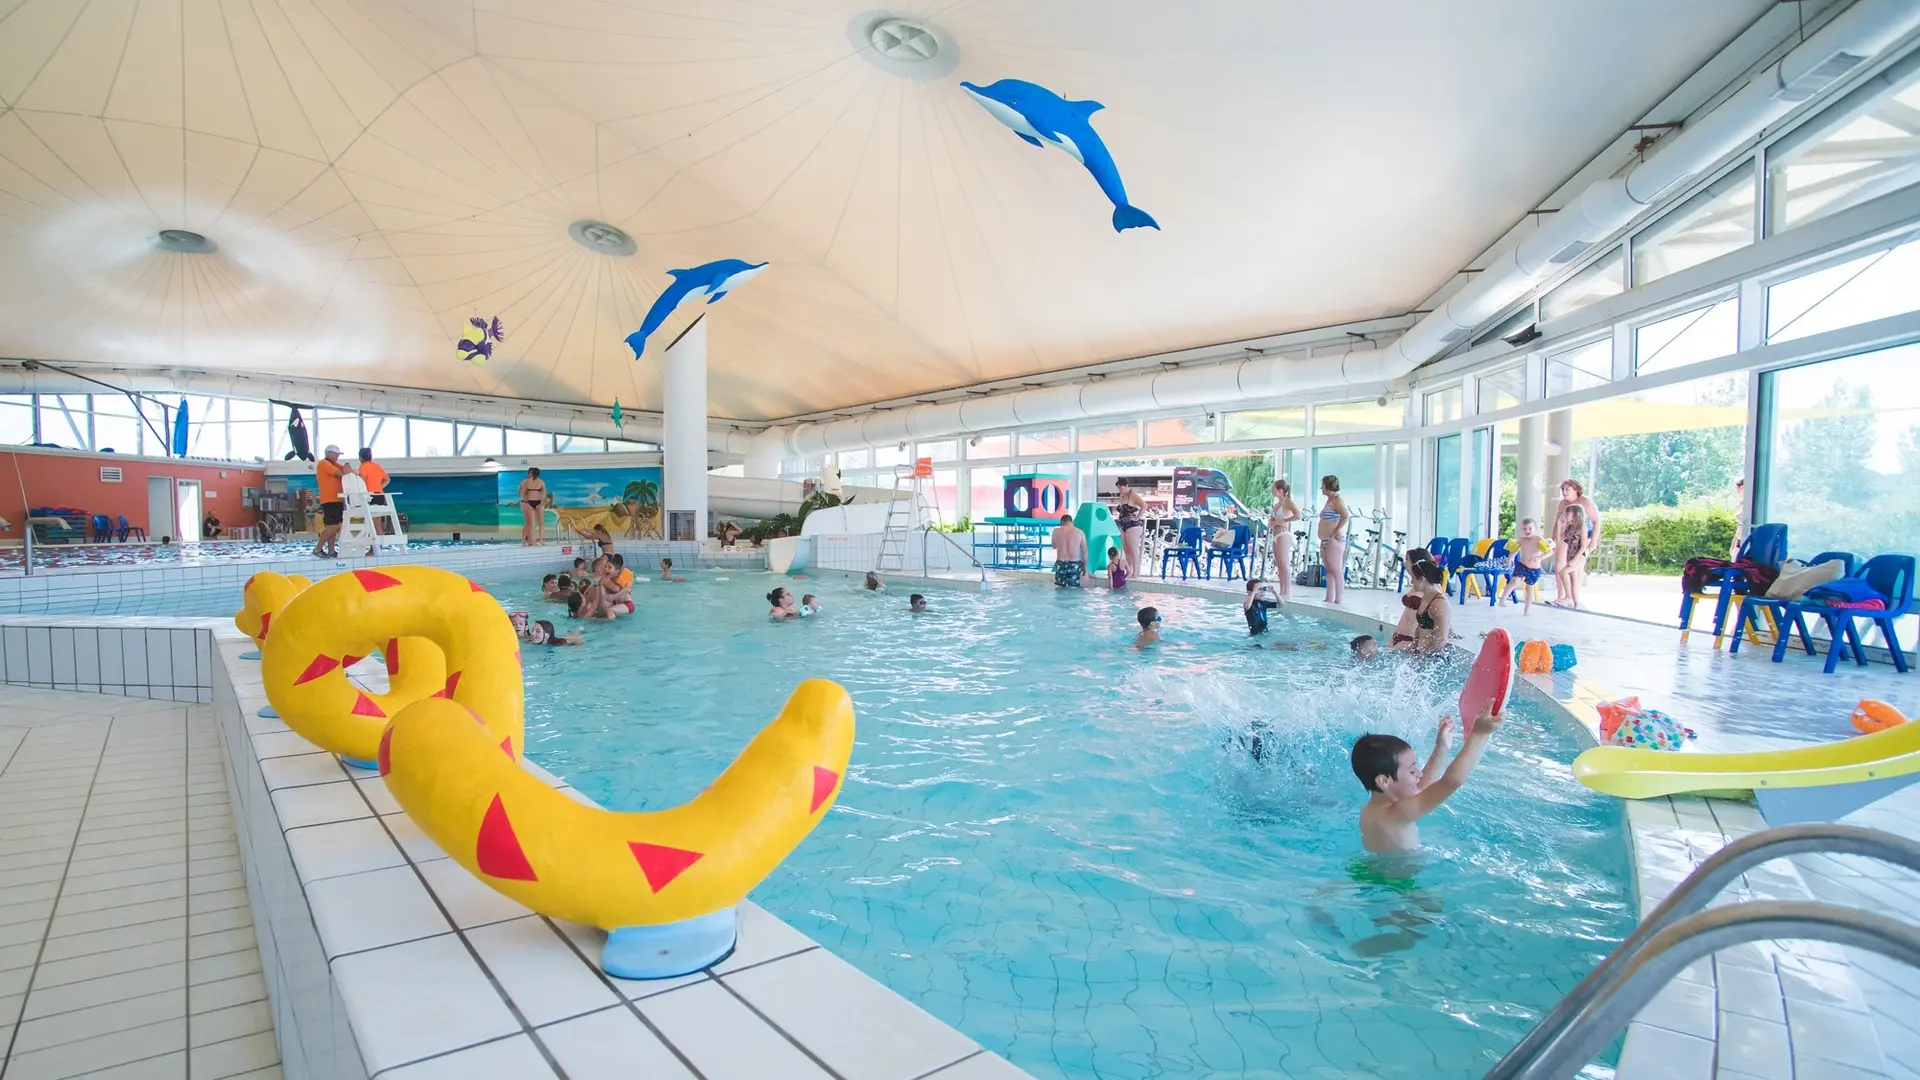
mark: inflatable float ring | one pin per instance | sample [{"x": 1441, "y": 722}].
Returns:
[
  {"x": 1870, "y": 716},
  {"x": 665, "y": 883},
  {"x": 264, "y": 596},
  {"x": 440, "y": 634}
]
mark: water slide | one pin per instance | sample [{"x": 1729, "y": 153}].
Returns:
[
  {"x": 742, "y": 497},
  {"x": 1809, "y": 783}
]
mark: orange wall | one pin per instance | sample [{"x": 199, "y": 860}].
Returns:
[{"x": 54, "y": 478}]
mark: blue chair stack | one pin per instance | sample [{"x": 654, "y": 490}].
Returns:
[
  {"x": 102, "y": 528},
  {"x": 1187, "y": 551},
  {"x": 1240, "y": 554},
  {"x": 1754, "y": 608},
  {"x": 1491, "y": 575},
  {"x": 1766, "y": 545},
  {"x": 1891, "y": 577},
  {"x": 1456, "y": 552}
]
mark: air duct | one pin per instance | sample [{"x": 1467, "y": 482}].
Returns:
[
  {"x": 585, "y": 421},
  {"x": 1862, "y": 31}
]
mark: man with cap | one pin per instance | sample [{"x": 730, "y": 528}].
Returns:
[{"x": 333, "y": 505}]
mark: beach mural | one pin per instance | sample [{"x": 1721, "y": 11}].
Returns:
[{"x": 626, "y": 500}]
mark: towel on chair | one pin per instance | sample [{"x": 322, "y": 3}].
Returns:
[{"x": 1846, "y": 592}]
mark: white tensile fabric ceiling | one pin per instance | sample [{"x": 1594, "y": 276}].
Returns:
[{"x": 374, "y": 172}]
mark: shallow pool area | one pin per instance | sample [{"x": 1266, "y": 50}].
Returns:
[
  {"x": 143, "y": 555},
  {"x": 1063, "y": 847}
]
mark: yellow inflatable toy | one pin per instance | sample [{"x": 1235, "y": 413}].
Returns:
[
  {"x": 1870, "y": 716},
  {"x": 265, "y": 595},
  {"x": 664, "y": 883},
  {"x": 440, "y": 634}
]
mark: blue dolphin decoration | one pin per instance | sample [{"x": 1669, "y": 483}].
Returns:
[
  {"x": 1044, "y": 118},
  {"x": 714, "y": 278}
]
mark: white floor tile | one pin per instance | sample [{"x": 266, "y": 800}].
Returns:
[
  {"x": 468, "y": 899},
  {"x": 857, "y": 1026},
  {"x": 614, "y": 1045},
  {"x": 365, "y": 911},
  {"x": 419, "y": 1000},
  {"x": 1836, "y": 1035},
  {"x": 344, "y": 847},
  {"x": 1658, "y": 1054},
  {"x": 1755, "y": 1047},
  {"x": 723, "y": 1038},
  {"x": 233, "y": 1057},
  {"x": 508, "y": 1059},
  {"x": 300, "y": 770},
  {"x": 981, "y": 1066},
  {"x": 545, "y": 978},
  {"x": 762, "y": 937},
  {"x": 319, "y": 804}
]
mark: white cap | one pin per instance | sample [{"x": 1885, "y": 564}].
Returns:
[{"x": 331, "y": 449}]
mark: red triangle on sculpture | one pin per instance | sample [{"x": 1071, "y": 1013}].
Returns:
[
  {"x": 374, "y": 580},
  {"x": 349, "y": 660},
  {"x": 475, "y": 586},
  {"x": 497, "y": 851},
  {"x": 453, "y": 680},
  {"x": 265, "y": 618},
  {"x": 823, "y": 785},
  {"x": 385, "y": 757},
  {"x": 662, "y": 864},
  {"x": 391, "y": 654},
  {"x": 320, "y": 666},
  {"x": 506, "y": 745},
  {"x": 366, "y": 706}
]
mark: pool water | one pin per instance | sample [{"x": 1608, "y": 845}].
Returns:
[
  {"x": 1061, "y": 846},
  {"x": 142, "y": 555}
]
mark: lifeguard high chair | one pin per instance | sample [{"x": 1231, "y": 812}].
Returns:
[{"x": 361, "y": 529}]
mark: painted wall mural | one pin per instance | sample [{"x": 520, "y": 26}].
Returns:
[{"x": 626, "y": 500}]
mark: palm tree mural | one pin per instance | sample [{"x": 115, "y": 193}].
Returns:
[{"x": 641, "y": 499}]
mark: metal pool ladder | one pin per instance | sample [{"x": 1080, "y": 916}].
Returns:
[{"x": 1682, "y": 930}]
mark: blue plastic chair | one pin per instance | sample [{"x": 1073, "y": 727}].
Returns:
[
  {"x": 1766, "y": 545},
  {"x": 1747, "y": 622},
  {"x": 1457, "y": 549},
  {"x": 1240, "y": 554},
  {"x": 1187, "y": 551},
  {"x": 1480, "y": 571},
  {"x": 127, "y": 530},
  {"x": 1889, "y": 575},
  {"x": 102, "y": 528}
]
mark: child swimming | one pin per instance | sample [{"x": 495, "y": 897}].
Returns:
[
  {"x": 1260, "y": 599},
  {"x": 1364, "y": 647},
  {"x": 1400, "y": 795},
  {"x": 549, "y": 585},
  {"x": 541, "y": 632},
  {"x": 1149, "y": 619},
  {"x": 1116, "y": 569},
  {"x": 874, "y": 584},
  {"x": 666, "y": 570},
  {"x": 917, "y": 604},
  {"x": 809, "y": 605}
]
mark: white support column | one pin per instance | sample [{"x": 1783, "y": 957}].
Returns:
[
  {"x": 1560, "y": 464},
  {"x": 1533, "y": 470},
  {"x": 683, "y": 424}
]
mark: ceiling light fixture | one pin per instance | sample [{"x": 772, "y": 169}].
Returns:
[
  {"x": 601, "y": 237},
  {"x": 910, "y": 48},
  {"x": 184, "y": 242}
]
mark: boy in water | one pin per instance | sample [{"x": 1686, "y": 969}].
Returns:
[
  {"x": 809, "y": 605},
  {"x": 1364, "y": 647},
  {"x": 1149, "y": 618},
  {"x": 1261, "y": 598},
  {"x": 917, "y": 604},
  {"x": 549, "y": 585},
  {"x": 1399, "y": 794},
  {"x": 666, "y": 570},
  {"x": 1526, "y": 563}
]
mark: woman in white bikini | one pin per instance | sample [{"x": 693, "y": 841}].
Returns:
[
  {"x": 1280, "y": 521},
  {"x": 1333, "y": 538}
]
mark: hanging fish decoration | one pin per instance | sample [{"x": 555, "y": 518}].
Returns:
[
  {"x": 476, "y": 345},
  {"x": 619, "y": 418}
]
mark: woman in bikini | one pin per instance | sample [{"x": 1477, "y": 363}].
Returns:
[
  {"x": 533, "y": 509},
  {"x": 1427, "y": 618},
  {"x": 1280, "y": 525},
  {"x": 1333, "y": 538},
  {"x": 1130, "y": 515}
]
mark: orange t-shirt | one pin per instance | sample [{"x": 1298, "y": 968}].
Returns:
[
  {"x": 328, "y": 474},
  {"x": 374, "y": 475}
]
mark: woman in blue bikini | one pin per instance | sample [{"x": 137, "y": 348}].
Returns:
[{"x": 1333, "y": 538}]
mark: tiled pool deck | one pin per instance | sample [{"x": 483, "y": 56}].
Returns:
[{"x": 385, "y": 958}]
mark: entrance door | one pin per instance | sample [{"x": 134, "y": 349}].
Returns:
[
  {"x": 161, "y": 512},
  {"x": 188, "y": 499}
]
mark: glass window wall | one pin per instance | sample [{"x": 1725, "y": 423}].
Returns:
[
  {"x": 1288, "y": 423},
  {"x": 1580, "y": 368},
  {"x": 1180, "y": 431},
  {"x": 988, "y": 447},
  {"x": 1033, "y": 443},
  {"x": 429, "y": 438},
  {"x": 1862, "y": 150},
  {"x": 1707, "y": 226},
  {"x": 1704, "y": 333},
  {"x": 1503, "y": 388},
  {"x": 1602, "y": 280},
  {"x": 1444, "y": 405},
  {"x": 1871, "y": 287},
  {"x": 1349, "y": 416},
  {"x": 1110, "y": 436},
  {"x": 523, "y": 442},
  {"x": 16, "y": 418}
]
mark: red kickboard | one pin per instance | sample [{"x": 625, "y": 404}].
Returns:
[{"x": 1488, "y": 682}]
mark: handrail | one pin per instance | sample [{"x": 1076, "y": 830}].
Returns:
[
  {"x": 1690, "y": 896},
  {"x": 951, "y": 542},
  {"x": 1668, "y": 952}
]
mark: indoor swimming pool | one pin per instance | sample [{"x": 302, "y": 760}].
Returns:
[
  {"x": 142, "y": 555},
  {"x": 1062, "y": 847}
]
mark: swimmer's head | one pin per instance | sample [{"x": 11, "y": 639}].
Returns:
[
  {"x": 579, "y": 564},
  {"x": 550, "y": 579},
  {"x": 620, "y": 562},
  {"x": 1066, "y": 519},
  {"x": 775, "y": 597},
  {"x": 1252, "y": 584},
  {"x": 574, "y": 603},
  {"x": 1148, "y": 616},
  {"x": 1384, "y": 763},
  {"x": 807, "y": 599},
  {"x": 1364, "y": 647},
  {"x": 565, "y": 582},
  {"x": 1113, "y": 553},
  {"x": 1422, "y": 567},
  {"x": 916, "y": 602},
  {"x": 540, "y": 632},
  {"x": 665, "y": 564},
  {"x": 873, "y": 580}
]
